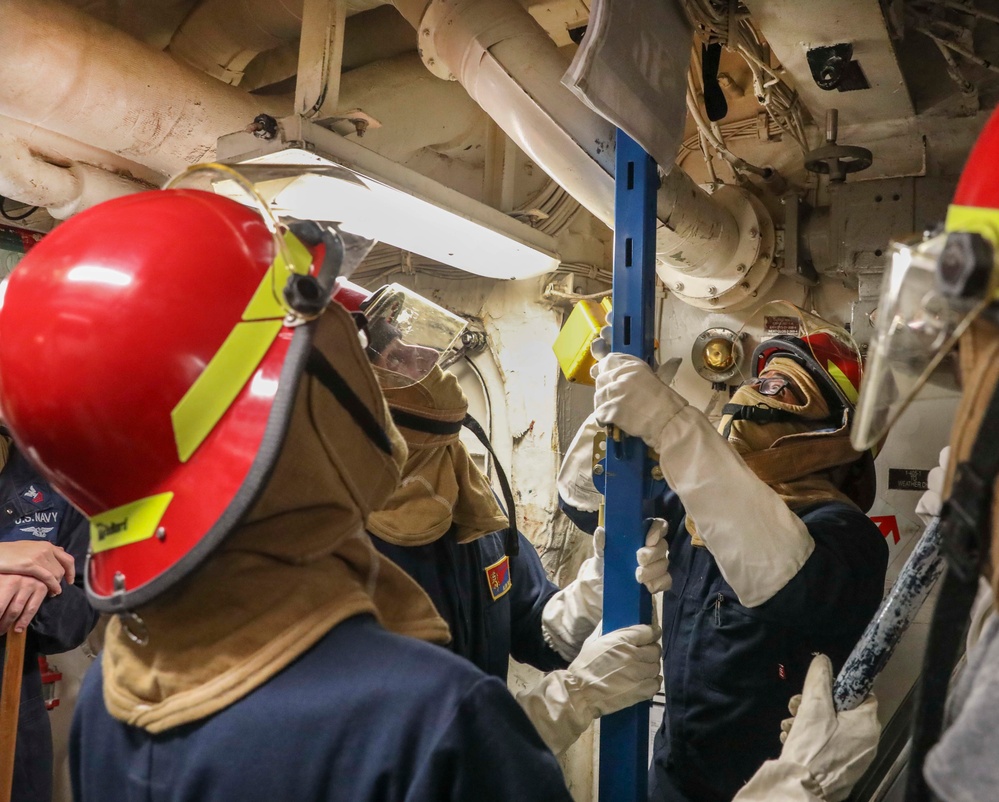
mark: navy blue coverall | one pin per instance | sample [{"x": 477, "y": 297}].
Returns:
[
  {"x": 491, "y": 620},
  {"x": 730, "y": 670},
  {"x": 31, "y": 510},
  {"x": 363, "y": 716}
]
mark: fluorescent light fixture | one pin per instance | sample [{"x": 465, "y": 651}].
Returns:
[{"x": 371, "y": 196}]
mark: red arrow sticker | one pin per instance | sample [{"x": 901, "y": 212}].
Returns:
[{"x": 888, "y": 524}]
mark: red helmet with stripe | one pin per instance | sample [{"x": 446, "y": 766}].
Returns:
[
  {"x": 832, "y": 358},
  {"x": 827, "y": 352},
  {"x": 151, "y": 348},
  {"x": 836, "y": 368}
]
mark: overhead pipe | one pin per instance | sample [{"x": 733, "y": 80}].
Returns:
[
  {"x": 714, "y": 251},
  {"x": 512, "y": 68},
  {"x": 62, "y": 191},
  {"x": 414, "y": 109},
  {"x": 59, "y": 149},
  {"x": 70, "y": 73},
  {"x": 378, "y": 34},
  {"x": 220, "y": 37},
  {"x": 509, "y": 65}
]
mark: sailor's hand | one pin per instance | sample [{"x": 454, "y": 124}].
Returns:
[
  {"x": 20, "y": 598},
  {"x": 40, "y": 559},
  {"x": 653, "y": 558}
]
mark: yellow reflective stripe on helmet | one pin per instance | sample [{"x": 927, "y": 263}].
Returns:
[
  {"x": 207, "y": 400},
  {"x": 213, "y": 392},
  {"x": 976, "y": 220},
  {"x": 128, "y": 523},
  {"x": 851, "y": 392}
]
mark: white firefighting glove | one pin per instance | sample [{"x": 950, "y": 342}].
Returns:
[
  {"x": 758, "y": 543},
  {"x": 612, "y": 672},
  {"x": 930, "y": 503},
  {"x": 653, "y": 559},
  {"x": 825, "y": 752},
  {"x": 632, "y": 397},
  {"x": 572, "y": 614}
]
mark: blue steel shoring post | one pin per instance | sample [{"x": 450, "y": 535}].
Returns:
[{"x": 624, "y": 736}]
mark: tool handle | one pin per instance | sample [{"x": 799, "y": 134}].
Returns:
[{"x": 10, "y": 705}]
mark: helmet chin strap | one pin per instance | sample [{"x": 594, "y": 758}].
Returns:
[{"x": 757, "y": 413}]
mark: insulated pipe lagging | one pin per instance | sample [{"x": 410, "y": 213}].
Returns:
[
  {"x": 390, "y": 90},
  {"x": 72, "y": 74},
  {"x": 63, "y": 191},
  {"x": 220, "y": 37},
  {"x": 513, "y": 70},
  {"x": 698, "y": 236}
]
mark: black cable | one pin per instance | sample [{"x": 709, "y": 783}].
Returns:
[
  {"x": 14, "y": 218},
  {"x": 512, "y": 536}
]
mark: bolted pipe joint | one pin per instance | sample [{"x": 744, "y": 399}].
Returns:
[{"x": 745, "y": 240}]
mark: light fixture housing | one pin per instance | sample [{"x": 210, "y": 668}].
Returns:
[{"x": 371, "y": 196}]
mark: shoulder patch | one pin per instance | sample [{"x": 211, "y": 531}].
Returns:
[
  {"x": 34, "y": 495},
  {"x": 498, "y": 578}
]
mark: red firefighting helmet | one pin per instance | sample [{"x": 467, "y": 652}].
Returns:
[
  {"x": 834, "y": 364},
  {"x": 833, "y": 359},
  {"x": 150, "y": 353}
]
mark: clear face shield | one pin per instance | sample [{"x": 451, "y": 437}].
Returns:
[
  {"x": 254, "y": 186},
  {"x": 931, "y": 292},
  {"x": 407, "y": 334}
]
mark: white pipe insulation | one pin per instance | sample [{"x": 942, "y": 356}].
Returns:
[
  {"x": 63, "y": 191},
  {"x": 71, "y": 74},
  {"x": 512, "y": 68},
  {"x": 415, "y": 109},
  {"x": 60, "y": 149},
  {"x": 220, "y": 37}
]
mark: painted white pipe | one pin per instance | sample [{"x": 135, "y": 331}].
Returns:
[
  {"x": 511, "y": 67},
  {"x": 72, "y": 74},
  {"x": 220, "y": 37},
  {"x": 94, "y": 186},
  {"x": 63, "y": 191},
  {"x": 26, "y": 178},
  {"x": 415, "y": 109},
  {"x": 60, "y": 149}
]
